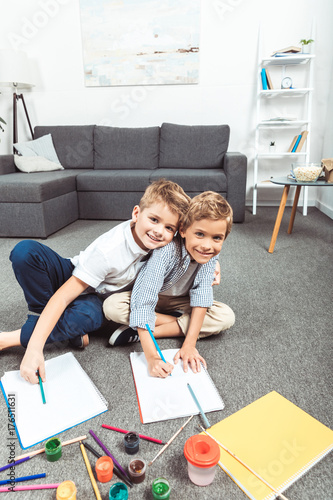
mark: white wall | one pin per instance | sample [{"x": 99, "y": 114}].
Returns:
[{"x": 49, "y": 31}]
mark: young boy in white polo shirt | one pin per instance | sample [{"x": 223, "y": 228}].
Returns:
[
  {"x": 177, "y": 277},
  {"x": 69, "y": 293}
]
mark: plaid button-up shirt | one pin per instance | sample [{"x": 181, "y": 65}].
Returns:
[{"x": 165, "y": 267}]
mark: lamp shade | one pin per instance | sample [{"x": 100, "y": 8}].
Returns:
[{"x": 14, "y": 69}]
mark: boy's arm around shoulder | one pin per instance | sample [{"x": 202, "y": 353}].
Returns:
[{"x": 33, "y": 360}]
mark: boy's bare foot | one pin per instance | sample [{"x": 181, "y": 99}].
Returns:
[{"x": 10, "y": 339}]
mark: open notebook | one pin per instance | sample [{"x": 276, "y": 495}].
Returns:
[
  {"x": 167, "y": 398},
  {"x": 276, "y": 439},
  {"x": 71, "y": 398}
]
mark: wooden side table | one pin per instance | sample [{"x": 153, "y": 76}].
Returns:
[{"x": 286, "y": 182}]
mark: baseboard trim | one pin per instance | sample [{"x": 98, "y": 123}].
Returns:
[
  {"x": 325, "y": 209},
  {"x": 311, "y": 203}
]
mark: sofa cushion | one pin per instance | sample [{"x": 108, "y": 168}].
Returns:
[
  {"x": 74, "y": 144},
  {"x": 193, "y": 146},
  {"x": 113, "y": 180},
  {"x": 210, "y": 179},
  {"x": 36, "y": 187},
  {"x": 38, "y": 220},
  {"x": 30, "y": 164},
  {"x": 43, "y": 146},
  {"x": 126, "y": 148}
]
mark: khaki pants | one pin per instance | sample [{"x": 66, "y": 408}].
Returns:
[{"x": 219, "y": 317}]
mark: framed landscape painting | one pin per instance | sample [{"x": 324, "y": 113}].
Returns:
[{"x": 140, "y": 42}]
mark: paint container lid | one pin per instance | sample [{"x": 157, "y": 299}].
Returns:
[
  {"x": 118, "y": 491},
  {"x": 53, "y": 449},
  {"x": 104, "y": 469},
  {"x": 161, "y": 488},
  {"x": 131, "y": 442},
  {"x": 66, "y": 491},
  {"x": 202, "y": 451},
  {"x": 137, "y": 470}
]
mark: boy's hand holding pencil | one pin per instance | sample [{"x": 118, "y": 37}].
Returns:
[
  {"x": 159, "y": 368},
  {"x": 33, "y": 364},
  {"x": 157, "y": 365}
]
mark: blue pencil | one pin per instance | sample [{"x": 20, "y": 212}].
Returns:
[
  {"x": 24, "y": 478},
  {"x": 207, "y": 424},
  {"x": 156, "y": 344},
  {"x": 13, "y": 464}
]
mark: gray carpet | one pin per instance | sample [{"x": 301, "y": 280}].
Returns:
[{"x": 282, "y": 340}]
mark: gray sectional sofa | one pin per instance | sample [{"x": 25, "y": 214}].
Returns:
[{"x": 106, "y": 170}]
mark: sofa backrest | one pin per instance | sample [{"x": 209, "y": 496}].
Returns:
[
  {"x": 126, "y": 148},
  {"x": 193, "y": 146},
  {"x": 74, "y": 144},
  {"x": 113, "y": 148}
]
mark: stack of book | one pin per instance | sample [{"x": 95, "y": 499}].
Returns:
[
  {"x": 297, "y": 142},
  {"x": 288, "y": 51}
]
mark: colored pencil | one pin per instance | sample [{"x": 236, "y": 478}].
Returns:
[
  {"x": 115, "y": 469},
  {"x": 171, "y": 439},
  {"x": 41, "y": 389},
  {"x": 92, "y": 450},
  {"x": 244, "y": 465},
  {"x": 158, "y": 441},
  {"x": 42, "y": 450},
  {"x": 104, "y": 448},
  {"x": 155, "y": 343},
  {"x": 15, "y": 463},
  {"x": 23, "y": 478},
  {"x": 31, "y": 487},
  {"x": 90, "y": 472},
  {"x": 207, "y": 424}
]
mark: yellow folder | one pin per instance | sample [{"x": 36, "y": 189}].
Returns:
[{"x": 276, "y": 439}]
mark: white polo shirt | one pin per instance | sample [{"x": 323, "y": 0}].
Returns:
[{"x": 111, "y": 262}]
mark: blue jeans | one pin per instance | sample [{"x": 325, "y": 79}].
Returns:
[{"x": 40, "y": 272}]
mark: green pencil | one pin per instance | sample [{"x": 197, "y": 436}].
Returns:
[{"x": 41, "y": 388}]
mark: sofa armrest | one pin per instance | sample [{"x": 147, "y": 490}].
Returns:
[
  {"x": 235, "y": 167},
  {"x": 7, "y": 165}
]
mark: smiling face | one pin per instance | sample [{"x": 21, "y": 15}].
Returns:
[
  {"x": 155, "y": 226},
  {"x": 204, "y": 239}
]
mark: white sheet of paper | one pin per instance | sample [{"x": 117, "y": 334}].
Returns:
[
  {"x": 71, "y": 398},
  {"x": 167, "y": 398}
]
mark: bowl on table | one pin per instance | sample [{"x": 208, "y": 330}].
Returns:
[{"x": 306, "y": 172}]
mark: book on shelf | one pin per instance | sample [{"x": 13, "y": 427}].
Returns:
[
  {"x": 269, "y": 80},
  {"x": 287, "y": 50},
  {"x": 264, "y": 79},
  {"x": 304, "y": 135},
  {"x": 285, "y": 54},
  {"x": 299, "y": 137},
  {"x": 280, "y": 119},
  {"x": 293, "y": 142}
]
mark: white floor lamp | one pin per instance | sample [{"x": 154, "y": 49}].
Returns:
[{"x": 15, "y": 73}]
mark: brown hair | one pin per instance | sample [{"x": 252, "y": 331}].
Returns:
[
  {"x": 208, "y": 205},
  {"x": 167, "y": 192}
]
